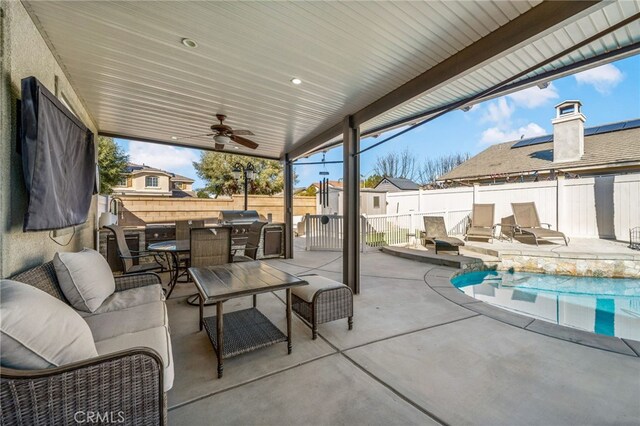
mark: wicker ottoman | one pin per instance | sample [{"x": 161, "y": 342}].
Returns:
[{"x": 321, "y": 301}]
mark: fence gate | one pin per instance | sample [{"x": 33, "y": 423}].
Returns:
[{"x": 323, "y": 232}]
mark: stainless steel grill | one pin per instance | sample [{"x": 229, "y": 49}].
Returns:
[
  {"x": 239, "y": 221},
  {"x": 238, "y": 217}
]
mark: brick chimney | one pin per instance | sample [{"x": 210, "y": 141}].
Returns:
[{"x": 568, "y": 132}]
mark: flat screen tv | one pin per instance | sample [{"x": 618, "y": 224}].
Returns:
[{"x": 58, "y": 161}]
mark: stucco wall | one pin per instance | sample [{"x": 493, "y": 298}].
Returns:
[{"x": 25, "y": 53}]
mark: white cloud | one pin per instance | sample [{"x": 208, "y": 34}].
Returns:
[
  {"x": 164, "y": 157},
  {"x": 603, "y": 78},
  {"x": 498, "y": 112},
  {"x": 534, "y": 97},
  {"x": 496, "y": 134}
]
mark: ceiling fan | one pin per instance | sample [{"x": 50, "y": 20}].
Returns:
[{"x": 223, "y": 134}]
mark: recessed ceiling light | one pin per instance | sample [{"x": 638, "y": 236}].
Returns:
[
  {"x": 296, "y": 81},
  {"x": 174, "y": 137},
  {"x": 236, "y": 147},
  {"x": 189, "y": 43}
]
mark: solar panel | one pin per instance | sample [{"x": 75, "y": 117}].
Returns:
[
  {"x": 533, "y": 141},
  {"x": 610, "y": 128},
  {"x": 632, "y": 124},
  {"x": 597, "y": 130}
]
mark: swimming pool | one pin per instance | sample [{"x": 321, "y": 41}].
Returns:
[{"x": 607, "y": 306}]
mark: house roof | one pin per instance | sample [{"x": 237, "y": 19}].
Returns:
[
  {"x": 180, "y": 178},
  {"x": 143, "y": 168},
  {"x": 400, "y": 183},
  {"x": 332, "y": 183},
  {"x": 616, "y": 148}
]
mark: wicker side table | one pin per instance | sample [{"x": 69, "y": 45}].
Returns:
[{"x": 323, "y": 300}]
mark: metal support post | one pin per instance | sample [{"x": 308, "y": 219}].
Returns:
[
  {"x": 351, "y": 205},
  {"x": 288, "y": 207}
]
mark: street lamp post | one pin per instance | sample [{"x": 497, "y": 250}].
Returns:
[{"x": 248, "y": 172}]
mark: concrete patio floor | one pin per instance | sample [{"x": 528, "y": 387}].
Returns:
[{"x": 413, "y": 357}]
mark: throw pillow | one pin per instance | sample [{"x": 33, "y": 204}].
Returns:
[
  {"x": 39, "y": 331},
  {"x": 85, "y": 278}
]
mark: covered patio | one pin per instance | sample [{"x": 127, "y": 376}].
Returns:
[{"x": 418, "y": 354}]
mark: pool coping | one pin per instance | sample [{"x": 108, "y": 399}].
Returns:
[{"x": 439, "y": 280}]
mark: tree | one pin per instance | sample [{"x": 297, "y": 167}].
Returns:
[
  {"x": 433, "y": 168},
  {"x": 216, "y": 169},
  {"x": 202, "y": 193},
  {"x": 371, "y": 181},
  {"x": 394, "y": 164},
  {"x": 112, "y": 163},
  {"x": 310, "y": 191}
]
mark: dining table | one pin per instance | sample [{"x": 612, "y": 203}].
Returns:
[{"x": 172, "y": 249}]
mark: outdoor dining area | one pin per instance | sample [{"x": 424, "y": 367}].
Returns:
[{"x": 228, "y": 319}]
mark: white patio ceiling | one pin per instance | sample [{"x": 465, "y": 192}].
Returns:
[{"x": 127, "y": 63}]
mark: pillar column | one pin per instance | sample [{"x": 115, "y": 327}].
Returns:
[
  {"x": 288, "y": 207},
  {"x": 351, "y": 205}
]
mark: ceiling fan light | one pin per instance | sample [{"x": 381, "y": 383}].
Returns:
[{"x": 221, "y": 139}]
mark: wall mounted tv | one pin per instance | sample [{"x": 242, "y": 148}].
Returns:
[{"x": 58, "y": 161}]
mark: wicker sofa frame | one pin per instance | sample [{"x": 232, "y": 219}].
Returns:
[
  {"x": 125, "y": 386},
  {"x": 327, "y": 305}
]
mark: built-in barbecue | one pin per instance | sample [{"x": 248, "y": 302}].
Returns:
[{"x": 240, "y": 220}]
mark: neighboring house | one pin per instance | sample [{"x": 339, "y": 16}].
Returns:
[
  {"x": 389, "y": 184},
  {"x": 145, "y": 180},
  {"x": 571, "y": 150},
  {"x": 372, "y": 201}
]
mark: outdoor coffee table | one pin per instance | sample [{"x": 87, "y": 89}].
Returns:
[{"x": 241, "y": 331}]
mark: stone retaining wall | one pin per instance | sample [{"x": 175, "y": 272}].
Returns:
[{"x": 585, "y": 266}]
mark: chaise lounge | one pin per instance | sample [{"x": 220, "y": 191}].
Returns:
[
  {"x": 482, "y": 222},
  {"x": 528, "y": 222},
  {"x": 436, "y": 233}
]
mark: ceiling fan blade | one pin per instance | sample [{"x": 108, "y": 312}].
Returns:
[
  {"x": 193, "y": 136},
  {"x": 244, "y": 142},
  {"x": 242, "y": 132},
  {"x": 219, "y": 146}
]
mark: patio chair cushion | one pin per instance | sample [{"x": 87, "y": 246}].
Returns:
[
  {"x": 130, "y": 320},
  {"x": 448, "y": 241},
  {"x": 39, "y": 331},
  {"x": 129, "y": 298},
  {"x": 156, "y": 338},
  {"x": 85, "y": 278},
  {"x": 316, "y": 283}
]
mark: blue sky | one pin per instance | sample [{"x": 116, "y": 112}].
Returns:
[{"x": 608, "y": 93}]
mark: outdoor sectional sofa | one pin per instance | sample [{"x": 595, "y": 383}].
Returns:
[{"x": 125, "y": 383}]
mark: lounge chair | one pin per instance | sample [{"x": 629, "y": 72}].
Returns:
[
  {"x": 436, "y": 233},
  {"x": 528, "y": 222},
  {"x": 482, "y": 222}
]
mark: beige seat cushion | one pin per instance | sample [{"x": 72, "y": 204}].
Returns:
[
  {"x": 129, "y": 298},
  {"x": 156, "y": 338},
  {"x": 85, "y": 278},
  {"x": 316, "y": 282},
  {"x": 39, "y": 331},
  {"x": 130, "y": 320}
]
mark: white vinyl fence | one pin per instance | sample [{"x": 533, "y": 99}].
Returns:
[
  {"x": 596, "y": 207},
  {"x": 592, "y": 207}
]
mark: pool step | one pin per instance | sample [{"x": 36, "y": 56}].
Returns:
[{"x": 451, "y": 260}]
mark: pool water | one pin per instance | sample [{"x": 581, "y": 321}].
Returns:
[{"x": 609, "y": 306}]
